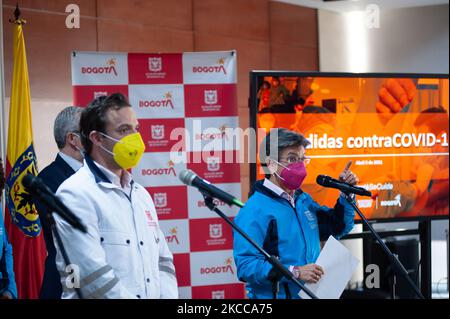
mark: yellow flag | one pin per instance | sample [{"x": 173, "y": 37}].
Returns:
[
  {"x": 22, "y": 222},
  {"x": 20, "y": 153}
]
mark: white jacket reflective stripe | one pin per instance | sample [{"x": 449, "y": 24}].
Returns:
[{"x": 124, "y": 254}]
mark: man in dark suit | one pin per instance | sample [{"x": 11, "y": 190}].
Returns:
[{"x": 67, "y": 162}]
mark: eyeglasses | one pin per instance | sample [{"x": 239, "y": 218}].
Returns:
[{"x": 295, "y": 159}]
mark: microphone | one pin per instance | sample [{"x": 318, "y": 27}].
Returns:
[
  {"x": 35, "y": 186},
  {"x": 188, "y": 177},
  {"x": 328, "y": 181}
]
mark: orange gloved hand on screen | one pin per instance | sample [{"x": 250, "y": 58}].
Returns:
[{"x": 394, "y": 95}]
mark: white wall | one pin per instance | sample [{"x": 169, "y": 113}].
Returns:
[{"x": 407, "y": 40}]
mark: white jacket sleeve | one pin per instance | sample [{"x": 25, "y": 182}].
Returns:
[
  {"x": 96, "y": 278},
  {"x": 168, "y": 279}
]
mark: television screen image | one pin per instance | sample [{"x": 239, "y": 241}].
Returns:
[{"x": 394, "y": 129}]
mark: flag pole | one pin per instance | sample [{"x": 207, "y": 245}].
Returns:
[
  {"x": 3, "y": 124},
  {"x": 17, "y": 14},
  {"x": 2, "y": 102}
]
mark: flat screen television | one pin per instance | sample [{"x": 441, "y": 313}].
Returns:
[{"x": 393, "y": 127}]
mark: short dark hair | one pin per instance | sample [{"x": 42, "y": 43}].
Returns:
[
  {"x": 283, "y": 139},
  {"x": 93, "y": 117}
]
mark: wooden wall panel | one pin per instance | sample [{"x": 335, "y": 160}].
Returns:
[
  {"x": 125, "y": 37},
  {"x": 49, "y": 45},
  {"x": 293, "y": 25},
  {"x": 236, "y": 18},
  {"x": 294, "y": 58},
  {"x": 169, "y": 14},
  {"x": 266, "y": 34},
  {"x": 87, "y": 7}
]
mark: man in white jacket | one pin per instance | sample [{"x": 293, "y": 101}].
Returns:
[{"x": 124, "y": 254}]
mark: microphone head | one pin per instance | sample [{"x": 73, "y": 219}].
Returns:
[
  {"x": 322, "y": 180},
  {"x": 187, "y": 176},
  {"x": 29, "y": 181},
  {"x": 35, "y": 185}
]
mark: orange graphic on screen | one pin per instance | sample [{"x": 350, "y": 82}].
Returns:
[{"x": 394, "y": 130}]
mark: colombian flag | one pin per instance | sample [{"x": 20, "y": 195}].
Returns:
[{"x": 22, "y": 222}]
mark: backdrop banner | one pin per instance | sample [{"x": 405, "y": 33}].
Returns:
[{"x": 186, "y": 104}]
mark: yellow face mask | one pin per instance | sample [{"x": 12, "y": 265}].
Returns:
[{"x": 127, "y": 152}]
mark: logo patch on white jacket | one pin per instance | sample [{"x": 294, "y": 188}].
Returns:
[{"x": 150, "y": 220}]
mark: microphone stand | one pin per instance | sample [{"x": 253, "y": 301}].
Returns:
[
  {"x": 392, "y": 258},
  {"x": 278, "y": 266},
  {"x": 51, "y": 222}
]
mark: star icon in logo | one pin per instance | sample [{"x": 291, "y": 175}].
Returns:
[{"x": 111, "y": 62}]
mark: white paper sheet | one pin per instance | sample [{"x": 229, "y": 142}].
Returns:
[{"x": 338, "y": 265}]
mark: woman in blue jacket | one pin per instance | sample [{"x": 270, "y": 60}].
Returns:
[
  {"x": 8, "y": 289},
  {"x": 286, "y": 221}
]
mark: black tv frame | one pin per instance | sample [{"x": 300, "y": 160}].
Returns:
[
  {"x": 424, "y": 222},
  {"x": 252, "y": 104}
]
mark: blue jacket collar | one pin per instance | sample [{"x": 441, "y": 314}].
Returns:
[
  {"x": 98, "y": 174},
  {"x": 260, "y": 188}
]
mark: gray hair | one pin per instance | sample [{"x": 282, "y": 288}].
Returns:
[
  {"x": 276, "y": 141},
  {"x": 67, "y": 121}
]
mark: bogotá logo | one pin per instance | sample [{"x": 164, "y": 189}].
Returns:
[
  {"x": 210, "y": 97},
  {"x": 216, "y": 235},
  {"x": 217, "y": 202},
  {"x": 218, "y": 294},
  {"x": 20, "y": 204},
  {"x": 155, "y": 68},
  {"x": 211, "y": 101},
  {"x": 227, "y": 268},
  {"x": 219, "y": 133},
  {"x": 160, "y": 200},
  {"x": 213, "y": 164},
  {"x": 215, "y": 230},
  {"x": 150, "y": 220},
  {"x": 165, "y": 102},
  {"x": 216, "y": 68},
  {"x": 110, "y": 68},
  {"x": 166, "y": 171},
  {"x": 157, "y": 132},
  {"x": 394, "y": 202},
  {"x": 172, "y": 237},
  {"x": 100, "y": 93},
  {"x": 155, "y": 64}
]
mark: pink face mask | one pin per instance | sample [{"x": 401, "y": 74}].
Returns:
[{"x": 293, "y": 175}]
